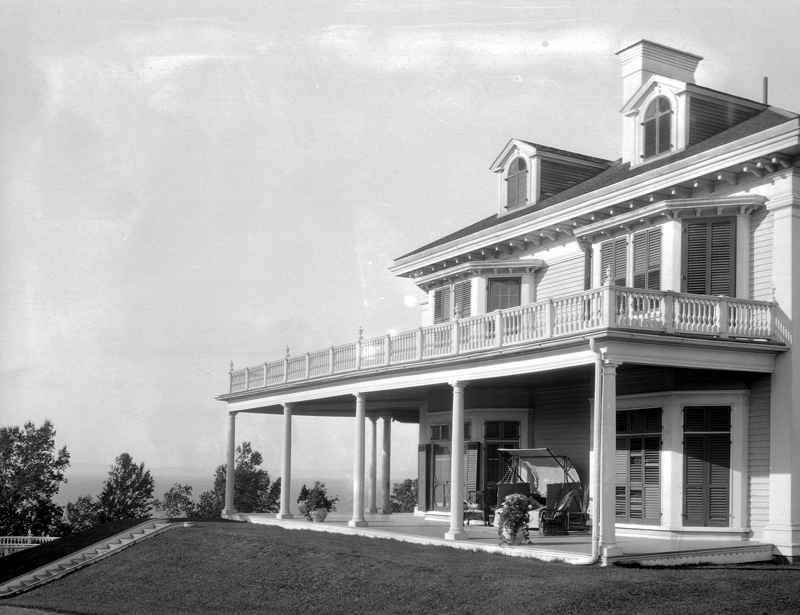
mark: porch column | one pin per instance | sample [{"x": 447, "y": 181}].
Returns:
[
  {"x": 373, "y": 467},
  {"x": 456, "y": 531},
  {"x": 286, "y": 463},
  {"x": 358, "y": 466},
  {"x": 230, "y": 475},
  {"x": 386, "y": 462},
  {"x": 608, "y": 451}
]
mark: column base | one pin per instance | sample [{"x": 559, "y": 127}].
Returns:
[
  {"x": 357, "y": 523},
  {"x": 611, "y": 551},
  {"x": 287, "y": 515},
  {"x": 384, "y": 511},
  {"x": 458, "y": 535},
  {"x": 372, "y": 509},
  {"x": 227, "y": 512}
]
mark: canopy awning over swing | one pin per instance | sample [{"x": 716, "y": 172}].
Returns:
[{"x": 545, "y": 467}]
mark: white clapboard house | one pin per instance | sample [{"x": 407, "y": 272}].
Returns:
[{"x": 635, "y": 315}]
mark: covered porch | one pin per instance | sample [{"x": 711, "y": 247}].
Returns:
[
  {"x": 574, "y": 548},
  {"x": 573, "y": 400}
]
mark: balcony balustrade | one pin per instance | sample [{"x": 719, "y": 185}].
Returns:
[{"x": 609, "y": 307}]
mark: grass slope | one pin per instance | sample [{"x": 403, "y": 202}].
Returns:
[{"x": 242, "y": 568}]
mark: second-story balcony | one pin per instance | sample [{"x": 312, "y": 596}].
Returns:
[{"x": 608, "y": 307}]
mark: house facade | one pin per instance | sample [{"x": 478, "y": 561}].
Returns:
[{"x": 634, "y": 315}]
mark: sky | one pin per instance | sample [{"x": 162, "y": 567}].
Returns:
[{"x": 188, "y": 183}]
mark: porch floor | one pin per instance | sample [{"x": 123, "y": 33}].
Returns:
[{"x": 572, "y": 548}]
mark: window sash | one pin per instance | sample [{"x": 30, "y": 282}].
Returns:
[{"x": 504, "y": 293}]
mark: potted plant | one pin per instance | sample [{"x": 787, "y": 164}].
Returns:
[
  {"x": 317, "y": 503},
  {"x": 514, "y": 516}
]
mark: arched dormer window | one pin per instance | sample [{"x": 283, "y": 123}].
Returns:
[
  {"x": 657, "y": 127},
  {"x": 517, "y": 184}
]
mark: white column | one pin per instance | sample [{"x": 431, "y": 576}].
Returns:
[
  {"x": 386, "y": 462},
  {"x": 358, "y": 465},
  {"x": 783, "y": 529},
  {"x": 230, "y": 472},
  {"x": 373, "y": 467},
  {"x": 742, "y": 289},
  {"x": 286, "y": 464},
  {"x": 608, "y": 451},
  {"x": 456, "y": 531}
]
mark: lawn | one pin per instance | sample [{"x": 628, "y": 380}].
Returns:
[{"x": 242, "y": 568}]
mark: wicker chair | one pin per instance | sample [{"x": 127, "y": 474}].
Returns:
[
  {"x": 473, "y": 507},
  {"x": 555, "y": 521}
]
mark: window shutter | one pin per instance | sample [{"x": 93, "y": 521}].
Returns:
[
  {"x": 721, "y": 259},
  {"x": 614, "y": 254},
  {"x": 513, "y": 191},
  {"x": 709, "y": 258},
  {"x": 647, "y": 259},
  {"x": 510, "y": 430},
  {"x": 664, "y": 129},
  {"x": 719, "y": 477},
  {"x": 463, "y": 298},
  {"x": 587, "y": 268},
  {"x": 694, "y": 478},
  {"x": 467, "y": 431},
  {"x": 621, "y": 466},
  {"x": 635, "y": 479},
  {"x": 650, "y": 138},
  {"x": 423, "y": 456},
  {"x": 471, "y": 474},
  {"x": 436, "y": 432},
  {"x": 517, "y": 182},
  {"x": 652, "y": 479},
  {"x": 441, "y": 305},
  {"x": 446, "y": 432}
]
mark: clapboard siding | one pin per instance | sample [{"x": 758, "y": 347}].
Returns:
[
  {"x": 758, "y": 455},
  {"x": 761, "y": 255},
  {"x": 561, "y": 278},
  {"x": 561, "y": 423}
]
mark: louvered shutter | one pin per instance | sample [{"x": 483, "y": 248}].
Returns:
[
  {"x": 471, "y": 473},
  {"x": 492, "y": 430},
  {"x": 721, "y": 260},
  {"x": 694, "y": 480},
  {"x": 621, "y": 468},
  {"x": 664, "y": 127},
  {"x": 441, "y": 305},
  {"x": 436, "y": 432},
  {"x": 647, "y": 259},
  {"x": 650, "y": 138},
  {"x": 513, "y": 191},
  {"x": 510, "y": 430},
  {"x": 614, "y": 254},
  {"x": 463, "y": 298},
  {"x": 423, "y": 457},
  {"x": 446, "y": 432},
  {"x": 719, "y": 479},
  {"x": 652, "y": 480}
]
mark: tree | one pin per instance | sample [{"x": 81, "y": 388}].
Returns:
[
  {"x": 82, "y": 515},
  {"x": 404, "y": 496},
  {"x": 31, "y": 471},
  {"x": 253, "y": 492},
  {"x": 177, "y": 502},
  {"x": 127, "y": 492}
]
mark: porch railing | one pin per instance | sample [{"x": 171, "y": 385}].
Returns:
[
  {"x": 606, "y": 307},
  {"x": 12, "y": 544}
]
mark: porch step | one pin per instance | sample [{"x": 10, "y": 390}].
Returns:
[
  {"x": 79, "y": 559},
  {"x": 746, "y": 553}
]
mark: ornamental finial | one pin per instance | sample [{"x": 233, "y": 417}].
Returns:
[
  {"x": 360, "y": 333},
  {"x": 608, "y": 276},
  {"x": 287, "y": 352},
  {"x": 231, "y": 366}
]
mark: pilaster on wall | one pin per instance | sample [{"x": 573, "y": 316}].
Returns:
[{"x": 783, "y": 529}]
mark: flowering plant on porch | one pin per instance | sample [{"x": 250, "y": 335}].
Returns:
[
  {"x": 316, "y": 500},
  {"x": 513, "y": 516}
]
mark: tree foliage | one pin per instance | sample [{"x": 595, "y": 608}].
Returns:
[
  {"x": 127, "y": 492},
  {"x": 31, "y": 471},
  {"x": 404, "y": 496},
  {"x": 83, "y": 514},
  {"x": 254, "y": 491},
  {"x": 177, "y": 502}
]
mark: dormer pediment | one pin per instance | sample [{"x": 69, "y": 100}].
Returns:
[
  {"x": 513, "y": 148},
  {"x": 656, "y": 85}
]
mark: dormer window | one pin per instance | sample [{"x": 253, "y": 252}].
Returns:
[
  {"x": 517, "y": 184},
  {"x": 657, "y": 127}
]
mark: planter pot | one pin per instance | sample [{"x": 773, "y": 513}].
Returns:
[
  {"x": 318, "y": 515},
  {"x": 301, "y": 506},
  {"x": 509, "y": 536}
]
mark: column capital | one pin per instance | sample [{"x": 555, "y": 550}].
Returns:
[
  {"x": 360, "y": 396},
  {"x": 288, "y": 405},
  {"x": 232, "y": 414},
  {"x": 374, "y": 418},
  {"x": 458, "y": 384},
  {"x": 611, "y": 365}
]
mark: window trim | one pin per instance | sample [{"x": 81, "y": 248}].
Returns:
[{"x": 493, "y": 279}]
